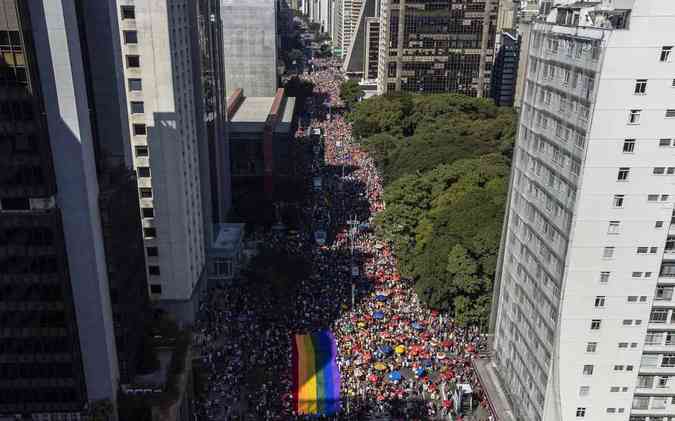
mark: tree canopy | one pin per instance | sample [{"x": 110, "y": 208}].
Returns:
[
  {"x": 445, "y": 160},
  {"x": 351, "y": 92}
]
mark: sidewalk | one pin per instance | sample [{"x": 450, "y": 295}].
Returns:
[{"x": 486, "y": 371}]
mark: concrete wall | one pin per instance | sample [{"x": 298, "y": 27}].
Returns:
[
  {"x": 63, "y": 84},
  {"x": 250, "y": 46}
]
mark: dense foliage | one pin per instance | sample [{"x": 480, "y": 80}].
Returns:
[
  {"x": 351, "y": 93},
  {"x": 445, "y": 160}
]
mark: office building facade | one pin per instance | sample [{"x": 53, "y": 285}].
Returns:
[
  {"x": 436, "y": 46},
  {"x": 583, "y": 306},
  {"x": 250, "y": 46},
  {"x": 505, "y": 70},
  {"x": 159, "y": 52},
  {"x": 57, "y": 344}
]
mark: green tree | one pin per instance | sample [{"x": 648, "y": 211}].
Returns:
[
  {"x": 351, "y": 92},
  {"x": 295, "y": 57}
]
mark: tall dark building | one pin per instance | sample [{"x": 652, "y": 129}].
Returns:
[
  {"x": 63, "y": 169},
  {"x": 211, "y": 102},
  {"x": 505, "y": 71},
  {"x": 431, "y": 46}
]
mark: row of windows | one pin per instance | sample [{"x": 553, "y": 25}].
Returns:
[
  {"x": 608, "y": 252},
  {"x": 634, "y": 115},
  {"x": 581, "y": 411},
  {"x": 600, "y": 300}
]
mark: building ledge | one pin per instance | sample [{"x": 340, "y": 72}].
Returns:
[{"x": 496, "y": 395}]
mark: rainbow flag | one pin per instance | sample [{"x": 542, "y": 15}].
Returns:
[{"x": 316, "y": 379}]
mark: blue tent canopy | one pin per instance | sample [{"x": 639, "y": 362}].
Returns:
[{"x": 394, "y": 376}]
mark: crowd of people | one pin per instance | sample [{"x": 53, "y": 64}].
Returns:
[{"x": 397, "y": 359}]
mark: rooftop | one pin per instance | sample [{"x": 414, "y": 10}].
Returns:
[
  {"x": 253, "y": 110},
  {"x": 227, "y": 237}
]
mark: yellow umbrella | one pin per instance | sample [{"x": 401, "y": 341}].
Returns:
[
  {"x": 399, "y": 349},
  {"x": 380, "y": 367},
  {"x": 361, "y": 324},
  {"x": 345, "y": 306}
]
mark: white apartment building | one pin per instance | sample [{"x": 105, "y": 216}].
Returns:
[
  {"x": 347, "y": 14},
  {"x": 584, "y": 317},
  {"x": 158, "y": 51}
]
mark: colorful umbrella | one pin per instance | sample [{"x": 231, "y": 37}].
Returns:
[
  {"x": 379, "y": 366},
  {"x": 372, "y": 378},
  {"x": 378, "y": 315},
  {"x": 395, "y": 376},
  {"x": 400, "y": 349},
  {"x": 386, "y": 349}
]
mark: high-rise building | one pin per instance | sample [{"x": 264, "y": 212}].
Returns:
[
  {"x": 372, "y": 48},
  {"x": 160, "y": 51},
  {"x": 583, "y": 312},
  {"x": 210, "y": 81},
  {"x": 357, "y": 50},
  {"x": 250, "y": 46},
  {"x": 505, "y": 70},
  {"x": 436, "y": 46},
  {"x": 347, "y": 22},
  {"x": 57, "y": 345}
]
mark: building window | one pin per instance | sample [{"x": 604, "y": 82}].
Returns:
[
  {"x": 652, "y": 198},
  {"x": 665, "y": 53},
  {"x": 613, "y": 227},
  {"x": 658, "y": 316},
  {"x": 146, "y": 192},
  {"x": 152, "y": 251},
  {"x": 141, "y": 150},
  {"x": 128, "y": 12},
  {"x": 618, "y": 200},
  {"x": 608, "y": 252},
  {"x": 149, "y": 232},
  {"x": 135, "y": 85},
  {"x": 133, "y": 61},
  {"x": 668, "y": 360},
  {"x": 153, "y": 270},
  {"x": 588, "y": 370},
  {"x": 640, "y": 86},
  {"x": 143, "y": 172},
  {"x": 659, "y": 170},
  {"x": 599, "y": 301},
  {"x": 148, "y": 212},
  {"x": 137, "y": 107},
  {"x": 634, "y": 116},
  {"x": 670, "y": 113},
  {"x": 581, "y": 412},
  {"x": 623, "y": 174},
  {"x": 664, "y": 142},
  {"x": 604, "y": 277},
  {"x": 595, "y": 325},
  {"x": 591, "y": 347},
  {"x": 664, "y": 197},
  {"x": 155, "y": 289},
  {"x": 629, "y": 146},
  {"x": 658, "y": 224},
  {"x": 131, "y": 37},
  {"x": 140, "y": 130}
]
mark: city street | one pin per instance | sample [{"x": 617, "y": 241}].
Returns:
[{"x": 397, "y": 360}]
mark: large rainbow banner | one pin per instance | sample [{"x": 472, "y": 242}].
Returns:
[{"x": 316, "y": 379}]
